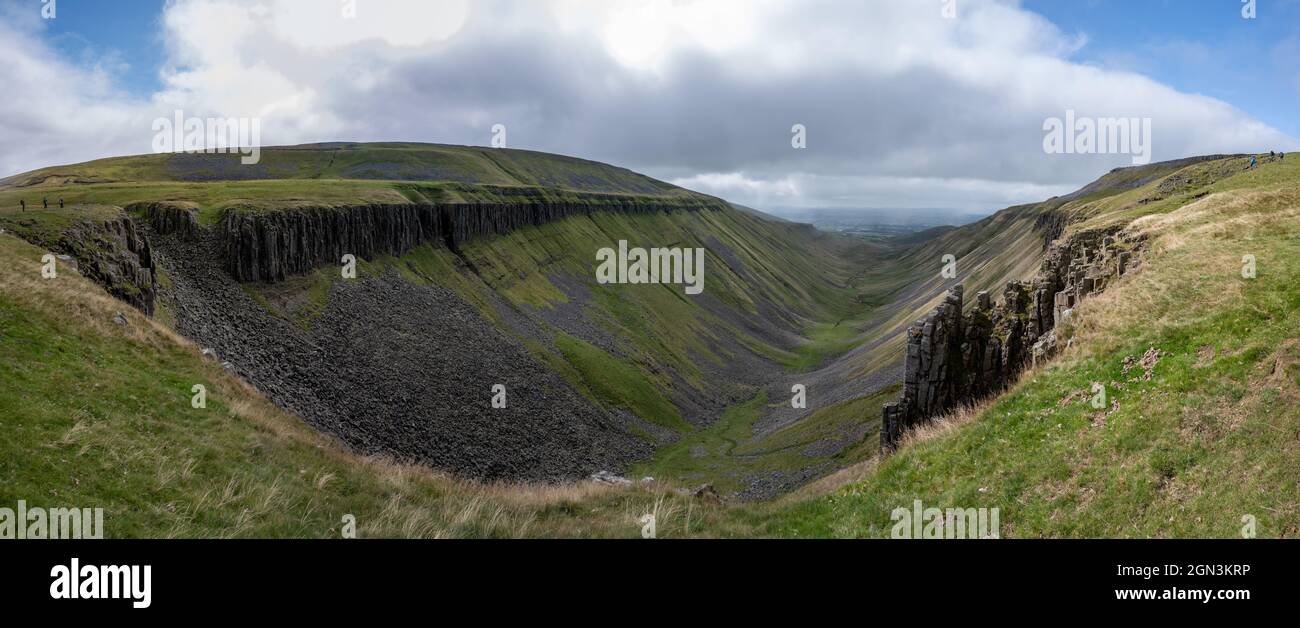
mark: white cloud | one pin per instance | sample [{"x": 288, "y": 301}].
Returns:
[
  {"x": 640, "y": 34},
  {"x": 55, "y": 112},
  {"x": 737, "y": 187},
  {"x": 333, "y": 24},
  {"x": 903, "y": 108},
  {"x": 869, "y": 191}
]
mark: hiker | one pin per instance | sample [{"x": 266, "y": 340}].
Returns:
[
  {"x": 46, "y": 200},
  {"x": 60, "y": 203},
  {"x": 23, "y": 203},
  {"x": 1252, "y": 162}
]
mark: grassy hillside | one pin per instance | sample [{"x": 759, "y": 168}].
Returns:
[
  {"x": 675, "y": 361},
  {"x": 316, "y": 174},
  {"x": 357, "y": 162},
  {"x": 775, "y": 291},
  {"x": 1207, "y": 430},
  {"x": 902, "y": 285},
  {"x": 99, "y": 414},
  {"x": 1211, "y": 436}
]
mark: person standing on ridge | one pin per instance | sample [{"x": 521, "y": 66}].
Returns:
[
  {"x": 46, "y": 201},
  {"x": 23, "y": 203}
]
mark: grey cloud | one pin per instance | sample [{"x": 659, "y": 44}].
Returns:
[{"x": 903, "y": 109}]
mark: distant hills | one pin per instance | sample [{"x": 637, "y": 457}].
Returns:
[{"x": 848, "y": 219}]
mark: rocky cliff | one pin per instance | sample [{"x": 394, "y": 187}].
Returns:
[
  {"x": 169, "y": 218},
  {"x": 271, "y": 245},
  {"x": 115, "y": 255},
  {"x": 1051, "y": 224},
  {"x": 955, "y": 357}
]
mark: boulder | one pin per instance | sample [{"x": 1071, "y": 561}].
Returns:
[
  {"x": 706, "y": 493},
  {"x": 607, "y": 477},
  {"x": 1045, "y": 348}
]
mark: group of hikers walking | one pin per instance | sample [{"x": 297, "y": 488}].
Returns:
[
  {"x": 1272, "y": 156},
  {"x": 44, "y": 201}
]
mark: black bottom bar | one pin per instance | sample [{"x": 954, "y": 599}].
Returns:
[{"x": 932, "y": 578}]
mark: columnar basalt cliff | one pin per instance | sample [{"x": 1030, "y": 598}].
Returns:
[
  {"x": 1051, "y": 224},
  {"x": 168, "y": 218},
  {"x": 271, "y": 245},
  {"x": 955, "y": 358}
]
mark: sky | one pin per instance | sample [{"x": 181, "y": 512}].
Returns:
[{"x": 904, "y": 104}]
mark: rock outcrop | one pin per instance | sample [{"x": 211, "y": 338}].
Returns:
[
  {"x": 169, "y": 218},
  {"x": 114, "y": 254},
  {"x": 955, "y": 357},
  {"x": 271, "y": 245},
  {"x": 1051, "y": 224}
]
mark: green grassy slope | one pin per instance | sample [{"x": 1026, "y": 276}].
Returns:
[
  {"x": 664, "y": 333},
  {"x": 1008, "y": 245},
  {"x": 1212, "y": 436},
  {"x": 769, "y": 283},
  {"x": 101, "y": 413},
  {"x": 352, "y": 161},
  {"x": 341, "y": 173},
  {"x": 727, "y": 452}
]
